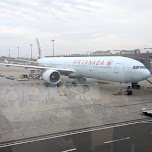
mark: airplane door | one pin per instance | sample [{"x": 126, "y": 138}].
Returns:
[
  {"x": 116, "y": 68},
  {"x": 90, "y": 70}
]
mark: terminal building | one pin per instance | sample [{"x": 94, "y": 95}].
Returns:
[{"x": 109, "y": 52}]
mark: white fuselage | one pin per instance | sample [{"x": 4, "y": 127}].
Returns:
[{"x": 109, "y": 68}]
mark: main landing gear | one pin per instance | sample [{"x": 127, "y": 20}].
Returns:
[
  {"x": 127, "y": 92},
  {"x": 79, "y": 80},
  {"x": 134, "y": 86},
  {"x": 75, "y": 82}
]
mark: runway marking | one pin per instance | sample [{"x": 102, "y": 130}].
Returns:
[
  {"x": 16, "y": 130},
  {"x": 116, "y": 140},
  {"x": 69, "y": 150},
  {"x": 43, "y": 125},
  {"x": 148, "y": 122},
  {"x": 66, "y": 134},
  {"x": 32, "y": 127}
]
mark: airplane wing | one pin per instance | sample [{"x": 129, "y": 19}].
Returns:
[
  {"x": 63, "y": 71},
  {"x": 21, "y": 60}
]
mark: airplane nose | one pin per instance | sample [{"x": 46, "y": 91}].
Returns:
[{"x": 146, "y": 74}]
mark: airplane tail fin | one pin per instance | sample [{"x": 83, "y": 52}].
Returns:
[{"x": 41, "y": 55}]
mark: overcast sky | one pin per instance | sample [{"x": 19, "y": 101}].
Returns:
[{"x": 77, "y": 26}]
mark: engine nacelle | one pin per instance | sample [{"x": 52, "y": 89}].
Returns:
[{"x": 51, "y": 76}]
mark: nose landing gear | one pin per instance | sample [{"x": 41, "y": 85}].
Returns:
[
  {"x": 128, "y": 91},
  {"x": 131, "y": 85}
]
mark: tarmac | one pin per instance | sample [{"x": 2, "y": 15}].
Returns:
[{"x": 32, "y": 109}]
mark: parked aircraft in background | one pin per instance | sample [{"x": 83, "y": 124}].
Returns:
[{"x": 109, "y": 68}]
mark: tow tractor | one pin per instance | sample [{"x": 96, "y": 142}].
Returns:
[
  {"x": 1, "y": 75},
  {"x": 10, "y": 77}
]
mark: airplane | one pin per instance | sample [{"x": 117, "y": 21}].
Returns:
[{"x": 109, "y": 68}]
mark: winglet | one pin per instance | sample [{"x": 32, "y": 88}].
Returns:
[{"x": 41, "y": 55}]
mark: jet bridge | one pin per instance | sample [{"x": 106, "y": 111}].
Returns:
[{"x": 149, "y": 81}]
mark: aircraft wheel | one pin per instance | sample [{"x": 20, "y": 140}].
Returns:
[
  {"x": 128, "y": 92},
  {"x": 138, "y": 86}
]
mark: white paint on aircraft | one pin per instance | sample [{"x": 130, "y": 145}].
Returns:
[{"x": 109, "y": 68}]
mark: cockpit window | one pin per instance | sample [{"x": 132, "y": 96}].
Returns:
[
  {"x": 142, "y": 67},
  {"x": 138, "y": 67}
]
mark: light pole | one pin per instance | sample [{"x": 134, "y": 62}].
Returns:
[
  {"x": 9, "y": 53},
  {"x": 31, "y": 51},
  {"x": 18, "y": 52},
  {"x": 53, "y": 46}
]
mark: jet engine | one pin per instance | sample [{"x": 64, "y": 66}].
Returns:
[{"x": 51, "y": 76}]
